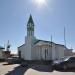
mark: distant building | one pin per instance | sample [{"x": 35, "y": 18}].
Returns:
[
  {"x": 35, "y": 49},
  {"x": 69, "y": 52},
  {"x": 6, "y": 54},
  {"x": 1, "y": 52}
]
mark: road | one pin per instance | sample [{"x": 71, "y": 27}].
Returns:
[{"x": 16, "y": 69}]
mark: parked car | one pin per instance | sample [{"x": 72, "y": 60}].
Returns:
[
  {"x": 58, "y": 60},
  {"x": 12, "y": 60},
  {"x": 68, "y": 62}
]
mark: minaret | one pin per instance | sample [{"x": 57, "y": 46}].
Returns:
[{"x": 30, "y": 27}]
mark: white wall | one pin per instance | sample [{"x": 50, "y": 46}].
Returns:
[
  {"x": 59, "y": 51},
  {"x": 39, "y": 51},
  {"x": 53, "y": 52},
  {"x": 22, "y": 49},
  {"x": 29, "y": 41}
]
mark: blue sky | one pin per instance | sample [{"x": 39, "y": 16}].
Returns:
[{"x": 49, "y": 20}]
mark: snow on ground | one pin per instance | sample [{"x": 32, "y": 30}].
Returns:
[
  {"x": 34, "y": 72},
  {"x": 16, "y": 69}
]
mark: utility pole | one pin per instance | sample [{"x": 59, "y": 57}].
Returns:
[
  {"x": 64, "y": 40},
  {"x": 64, "y": 37},
  {"x": 51, "y": 46}
]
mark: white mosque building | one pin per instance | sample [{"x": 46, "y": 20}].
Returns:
[{"x": 35, "y": 49}]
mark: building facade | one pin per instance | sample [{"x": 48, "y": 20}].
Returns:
[
  {"x": 1, "y": 52},
  {"x": 35, "y": 49}
]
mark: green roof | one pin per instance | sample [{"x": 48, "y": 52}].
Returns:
[
  {"x": 30, "y": 19},
  {"x": 43, "y": 41}
]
